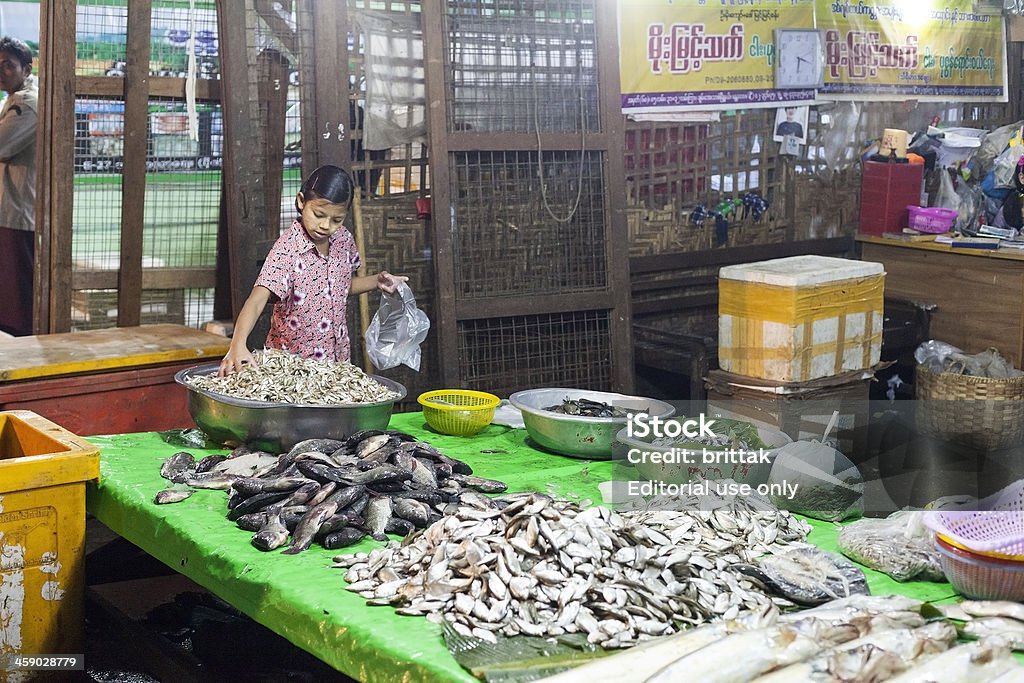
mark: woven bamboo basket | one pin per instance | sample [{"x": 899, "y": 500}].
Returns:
[{"x": 980, "y": 412}]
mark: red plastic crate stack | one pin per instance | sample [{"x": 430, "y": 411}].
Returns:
[{"x": 885, "y": 192}]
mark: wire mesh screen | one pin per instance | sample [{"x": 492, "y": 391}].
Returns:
[
  {"x": 182, "y": 197},
  {"x": 505, "y": 355},
  {"x": 101, "y": 29},
  {"x": 528, "y": 223},
  {"x": 521, "y": 67}
]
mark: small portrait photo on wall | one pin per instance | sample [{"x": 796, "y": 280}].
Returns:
[{"x": 791, "y": 121}]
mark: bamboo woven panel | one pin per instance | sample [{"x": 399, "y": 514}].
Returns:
[
  {"x": 505, "y": 355},
  {"x": 980, "y": 412}
]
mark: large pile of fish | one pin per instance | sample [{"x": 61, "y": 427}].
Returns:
[
  {"x": 526, "y": 563},
  {"x": 329, "y": 491},
  {"x": 867, "y": 639},
  {"x": 282, "y": 377}
]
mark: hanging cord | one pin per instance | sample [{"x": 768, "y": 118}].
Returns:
[{"x": 540, "y": 148}]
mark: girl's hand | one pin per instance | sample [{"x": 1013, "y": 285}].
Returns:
[
  {"x": 235, "y": 360},
  {"x": 388, "y": 283}
]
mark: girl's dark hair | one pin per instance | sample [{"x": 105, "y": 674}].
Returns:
[
  {"x": 327, "y": 182},
  {"x": 17, "y": 49}
]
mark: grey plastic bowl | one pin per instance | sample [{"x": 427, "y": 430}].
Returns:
[
  {"x": 573, "y": 435},
  {"x": 276, "y": 427}
]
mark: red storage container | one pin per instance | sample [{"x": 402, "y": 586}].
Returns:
[{"x": 885, "y": 192}]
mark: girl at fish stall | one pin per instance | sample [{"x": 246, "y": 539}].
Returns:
[{"x": 309, "y": 274}]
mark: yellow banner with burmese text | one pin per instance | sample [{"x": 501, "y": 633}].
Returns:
[
  {"x": 922, "y": 50},
  {"x": 705, "y": 54}
]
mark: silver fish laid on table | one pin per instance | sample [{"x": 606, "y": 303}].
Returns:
[
  {"x": 982, "y": 660},
  {"x": 740, "y": 657},
  {"x": 640, "y": 662},
  {"x": 992, "y": 608},
  {"x": 872, "y": 658},
  {"x": 1009, "y": 630}
]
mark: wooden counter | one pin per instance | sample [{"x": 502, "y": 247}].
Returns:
[
  {"x": 105, "y": 381},
  {"x": 979, "y": 292}
]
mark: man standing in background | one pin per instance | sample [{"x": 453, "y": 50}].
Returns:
[{"x": 17, "y": 186}]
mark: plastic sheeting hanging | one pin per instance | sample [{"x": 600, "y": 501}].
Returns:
[{"x": 395, "y": 110}]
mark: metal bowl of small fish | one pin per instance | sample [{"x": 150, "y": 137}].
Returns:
[
  {"x": 738, "y": 450},
  {"x": 276, "y": 427},
  {"x": 581, "y": 423}
]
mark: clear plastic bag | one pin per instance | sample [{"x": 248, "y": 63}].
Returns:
[
  {"x": 397, "y": 330},
  {"x": 818, "y": 481},
  {"x": 899, "y": 545}
]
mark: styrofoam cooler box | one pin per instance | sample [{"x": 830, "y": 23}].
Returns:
[{"x": 800, "y": 318}]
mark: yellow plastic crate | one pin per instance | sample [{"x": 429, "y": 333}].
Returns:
[
  {"x": 43, "y": 470},
  {"x": 800, "y": 318}
]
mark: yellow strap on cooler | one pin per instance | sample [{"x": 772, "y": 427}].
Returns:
[{"x": 794, "y": 306}]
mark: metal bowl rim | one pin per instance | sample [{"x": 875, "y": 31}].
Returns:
[
  {"x": 208, "y": 368},
  {"x": 667, "y": 409}
]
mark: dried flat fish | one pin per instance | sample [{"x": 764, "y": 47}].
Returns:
[{"x": 283, "y": 377}]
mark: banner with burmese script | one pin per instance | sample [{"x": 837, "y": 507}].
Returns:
[
  {"x": 705, "y": 54},
  {"x": 925, "y": 51}
]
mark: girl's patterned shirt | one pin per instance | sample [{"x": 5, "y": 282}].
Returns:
[{"x": 312, "y": 290}]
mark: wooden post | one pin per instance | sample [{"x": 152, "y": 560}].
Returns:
[{"x": 133, "y": 183}]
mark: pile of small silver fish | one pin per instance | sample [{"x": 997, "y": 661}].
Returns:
[
  {"x": 867, "y": 639},
  {"x": 283, "y": 377},
  {"x": 526, "y": 563},
  {"x": 329, "y": 491}
]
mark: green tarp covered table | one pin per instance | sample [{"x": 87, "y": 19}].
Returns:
[{"x": 301, "y": 597}]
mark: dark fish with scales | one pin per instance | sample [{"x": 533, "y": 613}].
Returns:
[
  {"x": 272, "y": 536},
  {"x": 321, "y": 472},
  {"x": 209, "y": 462},
  {"x": 480, "y": 484},
  {"x": 343, "y": 538},
  {"x": 256, "y": 503},
  {"x": 253, "y": 521},
  {"x": 399, "y": 527},
  {"x": 378, "y": 475},
  {"x": 346, "y": 496},
  {"x": 413, "y": 510},
  {"x": 369, "y": 446},
  {"x": 303, "y": 494},
  {"x": 423, "y": 473},
  {"x": 302, "y": 538},
  {"x": 325, "y": 491},
  {"x": 337, "y": 522},
  {"x": 377, "y": 513},
  {"x": 177, "y": 466},
  {"x": 320, "y": 445},
  {"x": 171, "y": 496},
  {"x": 210, "y": 480}
]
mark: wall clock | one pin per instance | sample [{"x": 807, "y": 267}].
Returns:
[{"x": 799, "y": 62}]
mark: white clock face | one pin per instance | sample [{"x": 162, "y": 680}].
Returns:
[{"x": 798, "y": 60}]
